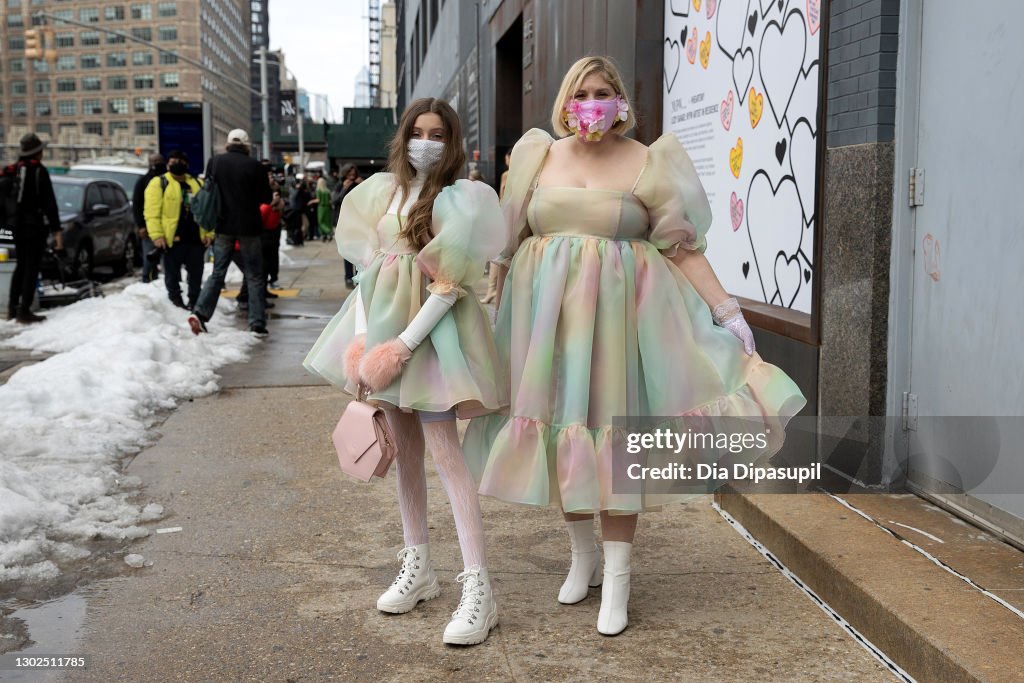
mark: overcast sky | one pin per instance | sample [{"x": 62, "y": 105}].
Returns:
[{"x": 325, "y": 44}]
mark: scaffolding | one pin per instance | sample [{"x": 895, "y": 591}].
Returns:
[{"x": 375, "y": 35}]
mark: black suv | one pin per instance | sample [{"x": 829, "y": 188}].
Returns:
[{"x": 98, "y": 226}]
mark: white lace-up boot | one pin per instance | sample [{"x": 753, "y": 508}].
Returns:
[
  {"x": 585, "y": 570},
  {"x": 477, "y": 613},
  {"x": 612, "y": 619},
  {"x": 416, "y": 581}
]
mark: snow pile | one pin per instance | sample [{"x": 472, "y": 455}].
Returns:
[{"x": 65, "y": 422}]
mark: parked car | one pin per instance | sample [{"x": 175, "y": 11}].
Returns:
[
  {"x": 98, "y": 227},
  {"x": 127, "y": 176}
]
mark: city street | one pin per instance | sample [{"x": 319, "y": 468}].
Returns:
[{"x": 280, "y": 557}]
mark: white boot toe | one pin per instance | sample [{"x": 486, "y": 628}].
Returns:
[{"x": 415, "y": 583}]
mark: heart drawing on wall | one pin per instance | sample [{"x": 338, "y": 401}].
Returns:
[{"x": 672, "y": 61}]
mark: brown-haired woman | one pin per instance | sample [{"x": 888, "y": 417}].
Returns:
[
  {"x": 614, "y": 308},
  {"x": 420, "y": 239}
]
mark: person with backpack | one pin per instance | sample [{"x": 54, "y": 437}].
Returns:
[
  {"x": 30, "y": 207},
  {"x": 150, "y": 266},
  {"x": 241, "y": 184},
  {"x": 175, "y": 230}
]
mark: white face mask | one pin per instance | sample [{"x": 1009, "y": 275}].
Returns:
[{"x": 424, "y": 155}]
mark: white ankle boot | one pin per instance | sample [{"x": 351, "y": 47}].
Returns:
[
  {"x": 612, "y": 618},
  {"x": 477, "y": 613},
  {"x": 416, "y": 581},
  {"x": 585, "y": 570}
]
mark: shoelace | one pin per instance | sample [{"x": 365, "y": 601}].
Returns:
[
  {"x": 469, "y": 603},
  {"x": 407, "y": 556}
]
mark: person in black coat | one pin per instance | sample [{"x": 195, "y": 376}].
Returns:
[
  {"x": 157, "y": 167},
  {"x": 300, "y": 197},
  {"x": 242, "y": 183},
  {"x": 36, "y": 217}
]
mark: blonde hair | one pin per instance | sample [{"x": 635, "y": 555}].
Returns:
[
  {"x": 574, "y": 78},
  {"x": 321, "y": 184}
]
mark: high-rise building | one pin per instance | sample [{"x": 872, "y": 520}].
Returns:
[
  {"x": 363, "y": 95},
  {"x": 100, "y": 92},
  {"x": 259, "y": 23}
]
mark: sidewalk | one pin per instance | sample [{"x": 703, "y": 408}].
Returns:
[{"x": 280, "y": 559}]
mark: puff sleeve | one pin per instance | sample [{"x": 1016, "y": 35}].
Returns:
[
  {"x": 468, "y": 232},
  {"x": 527, "y": 159},
  {"x": 356, "y": 233},
  {"x": 671, "y": 190}
]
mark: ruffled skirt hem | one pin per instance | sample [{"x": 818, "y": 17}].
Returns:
[{"x": 582, "y": 469}]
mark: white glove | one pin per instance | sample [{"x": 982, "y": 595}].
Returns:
[
  {"x": 429, "y": 315},
  {"x": 728, "y": 315},
  {"x": 360, "y": 311}
]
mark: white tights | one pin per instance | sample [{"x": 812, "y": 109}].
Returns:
[{"x": 443, "y": 441}]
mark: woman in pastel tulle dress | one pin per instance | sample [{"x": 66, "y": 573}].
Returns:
[
  {"x": 421, "y": 342},
  {"x": 609, "y": 309}
]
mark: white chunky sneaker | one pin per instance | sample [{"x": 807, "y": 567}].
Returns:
[
  {"x": 612, "y": 619},
  {"x": 477, "y": 613},
  {"x": 416, "y": 581},
  {"x": 585, "y": 570}
]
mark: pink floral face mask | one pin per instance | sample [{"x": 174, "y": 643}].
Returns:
[{"x": 591, "y": 119}]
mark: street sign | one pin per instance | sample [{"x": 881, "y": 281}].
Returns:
[{"x": 289, "y": 107}]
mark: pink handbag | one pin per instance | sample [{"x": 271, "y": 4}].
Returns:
[{"x": 363, "y": 440}]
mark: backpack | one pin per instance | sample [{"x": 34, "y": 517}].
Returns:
[
  {"x": 10, "y": 194},
  {"x": 206, "y": 203}
]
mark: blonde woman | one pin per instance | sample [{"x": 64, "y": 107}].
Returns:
[
  {"x": 609, "y": 309},
  {"x": 420, "y": 239}
]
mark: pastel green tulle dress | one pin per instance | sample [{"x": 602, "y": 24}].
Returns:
[
  {"x": 596, "y": 323},
  {"x": 457, "y": 365}
]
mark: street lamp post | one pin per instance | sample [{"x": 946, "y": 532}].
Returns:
[{"x": 264, "y": 102}]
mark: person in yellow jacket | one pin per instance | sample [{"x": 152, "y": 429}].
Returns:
[{"x": 174, "y": 230}]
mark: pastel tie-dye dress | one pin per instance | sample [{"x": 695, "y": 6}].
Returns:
[
  {"x": 596, "y": 323},
  {"x": 457, "y": 364}
]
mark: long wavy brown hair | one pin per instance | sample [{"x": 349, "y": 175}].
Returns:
[{"x": 416, "y": 229}]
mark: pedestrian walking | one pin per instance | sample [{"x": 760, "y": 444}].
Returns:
[
  {"x": 30, "y": 206},
  {"x": 271, "y": 215},
  {"x": 243, "y": 186},
  {"x": 323, "y": 210},
  {"x": 613, "y": 233},
  {"x": 150, "y": 256},
  {"x": 174, "y": 230},
  {"x": 412, "y": 227},
  {"x": 309, "y": 211},
  {"x": 294, "y": 212}
]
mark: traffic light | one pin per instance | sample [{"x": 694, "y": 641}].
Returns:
[
  {"x": 33, "y": 44},
  {"x": 50, "y": 45}
]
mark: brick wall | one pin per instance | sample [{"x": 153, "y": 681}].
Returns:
[{"x": 863, "y": 36}]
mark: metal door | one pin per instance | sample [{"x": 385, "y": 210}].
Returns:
[{"x": 965, "y": 347}]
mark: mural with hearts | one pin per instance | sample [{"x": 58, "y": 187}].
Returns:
[{"x": 741, "y": 93}]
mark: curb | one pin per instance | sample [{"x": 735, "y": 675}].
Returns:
[{"x": 930, "y": 623}]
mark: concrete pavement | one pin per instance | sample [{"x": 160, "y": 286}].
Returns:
[
  {"x": 276, "y": 570},
  {"x": 281, "y": 558}
]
